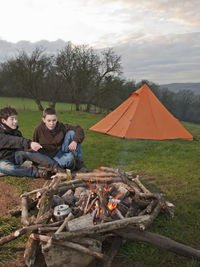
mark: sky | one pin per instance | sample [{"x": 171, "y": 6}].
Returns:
[{"x": 158, "y": 40}]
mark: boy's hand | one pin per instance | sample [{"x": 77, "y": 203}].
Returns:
[
  {"x": 35, "y": 146},
  {"x": 72, "y": 145}
]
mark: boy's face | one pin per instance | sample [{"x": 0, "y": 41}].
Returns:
[
  {"x": 50, "y": 121},
  {"x": 11, "y": 121}
]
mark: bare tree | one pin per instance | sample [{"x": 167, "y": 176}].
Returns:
[
  {"x": 109, "y": 64},
  {"x": 29, "y": 72},
  {"x": 54, "y": 85},
  {"x": 77, "y": 66},
  {"x": 83, "y": 70}
]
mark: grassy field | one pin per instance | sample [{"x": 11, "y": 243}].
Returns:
[
  {"x": 27, "y": 104},
  {"x": 170, "y": 167}
]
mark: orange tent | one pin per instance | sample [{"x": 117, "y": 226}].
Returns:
[{"x": 142, "y": 116}]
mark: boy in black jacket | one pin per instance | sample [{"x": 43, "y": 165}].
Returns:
[{"x": 12, "y": 144}]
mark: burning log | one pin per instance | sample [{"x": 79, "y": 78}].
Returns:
[
  {"x": 102, "y": 203},
  {"x": 91, "y": 205}
]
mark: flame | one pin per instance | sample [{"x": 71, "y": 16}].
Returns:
[
  {"x": 97, "y": 207},
  {"x": 113, "y": 205}
]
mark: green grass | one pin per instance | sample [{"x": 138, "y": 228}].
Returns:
[
  {"x": 170, "y": 167},
  {"x": 27, "y": 104}
]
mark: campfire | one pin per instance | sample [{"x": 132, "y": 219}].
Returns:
[{"x": 75, "y": 215}]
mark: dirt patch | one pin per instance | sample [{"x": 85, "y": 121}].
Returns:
[
  {"x": 36, "y": 183},
  {"x": 9, "y": 198},
  {"x": 18, "y": 262}
]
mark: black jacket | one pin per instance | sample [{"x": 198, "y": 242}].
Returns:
[{"x": 11, "y": 141}]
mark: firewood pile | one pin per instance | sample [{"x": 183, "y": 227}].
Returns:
[{"x": 72, "y": 216}]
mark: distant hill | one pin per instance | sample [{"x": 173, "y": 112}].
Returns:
[{"x": 175, "y": 87}]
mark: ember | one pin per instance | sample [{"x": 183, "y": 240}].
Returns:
[{"x": 75, "y": 215}]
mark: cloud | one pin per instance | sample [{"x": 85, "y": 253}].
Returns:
[
  {"x": 162, "y": 59},
  {"x": 185, "y": 12}
]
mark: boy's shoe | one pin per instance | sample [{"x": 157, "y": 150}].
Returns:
[
  {"x": 58, "y": 169},
  {"x": 83, "y": 170},
  {"x": 80, "y": 166},
  {"x": 42, "y": 173}
]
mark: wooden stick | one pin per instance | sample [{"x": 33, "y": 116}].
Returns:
[
  {"x": 64, "y": 224},
  {"x": 94, "y": 174},
  {"x": 24, "y": 215},
  {"x": 87, "y": 203},
  {"x": 24, "y": 230},
  {"x": 149, "y": 208},
  {"x": 126, "y": 180},
  {"x": 30, "y": 252},
  {"x": 41, "y": 190},
  {"x": 140, "y": 185},
  {"x": 50, "y": 227},
  {"x": 102, "y": 203},
  {"x": 63, "y": 176},
  {"x": 91, "y": 204},
  {"x": 153, "y": 215},
  {"x": 44, "y": 217},
  {"x": 113, "y": 251},
  {"x": 160, "y": 241},
  {"x": 63, "y": 187},
  {"x": 104, "y": 227},
  {"x": 93, "y": 180},
  {"x": 71, "y": 245},
  {"x": 47, "y": 229},
  {"x": 49, "y": 242},
  {"x": 18, "y": 210},
  {"x": 18, "y": 233},
  {"x": 107, "y": 169},
  {"x": 45, "y": 204}
]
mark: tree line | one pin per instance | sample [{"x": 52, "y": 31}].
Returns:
[{"x": 80, "y": 74}]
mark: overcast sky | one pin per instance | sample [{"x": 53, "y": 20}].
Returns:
[{"x": 158, "y": 40}]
